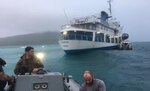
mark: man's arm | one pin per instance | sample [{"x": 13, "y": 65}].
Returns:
[
  {"x": 39, "y": 64},
  {"x": 18, "y": 65},
  {"x": 4, "y": 76},
  {"x": 102, "y": 86},
  {"x": 82, "y": 88}
]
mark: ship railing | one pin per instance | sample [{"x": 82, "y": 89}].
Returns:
[
  {"x": 87, "y": 19},
  {"x": 66, "y": 26}
]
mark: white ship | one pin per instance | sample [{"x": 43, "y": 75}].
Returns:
[{"x": 100, "y": 31}]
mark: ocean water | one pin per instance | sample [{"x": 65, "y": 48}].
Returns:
[{"x": 121, "y": 70}]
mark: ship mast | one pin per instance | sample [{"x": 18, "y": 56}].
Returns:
[{"x": 109, "y": 7}]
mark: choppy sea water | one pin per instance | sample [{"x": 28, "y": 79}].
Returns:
[{"x": 121, "y": 70}]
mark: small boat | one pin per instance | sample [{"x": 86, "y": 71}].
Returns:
[
  {"x": 44, "y": 81},
  {"x": 125, "y": 45}
]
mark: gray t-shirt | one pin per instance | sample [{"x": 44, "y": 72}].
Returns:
[{"x": 97, "y": 85}]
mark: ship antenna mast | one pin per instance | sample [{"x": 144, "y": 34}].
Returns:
[
  {"x": 66, "y": 16},
  {"x": 109, "y": 6}
]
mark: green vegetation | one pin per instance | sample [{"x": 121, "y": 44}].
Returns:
[{"x": 31, "y": 39}]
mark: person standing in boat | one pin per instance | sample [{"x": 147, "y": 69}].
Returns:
[
  {"x": 28, "y": 62},
  {"x": 4, "y": 78},
  {"x": 92, "y": 84}
]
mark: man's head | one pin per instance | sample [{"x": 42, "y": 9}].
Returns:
[
  {"x": 29, "y": 51},
  {"x": 88, "y": 77},
  {"x": 2, "y": 62}
]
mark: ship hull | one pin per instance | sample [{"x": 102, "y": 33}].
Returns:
[{"x": 78, "y": 46}]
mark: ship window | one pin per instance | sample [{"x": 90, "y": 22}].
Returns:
[
  {"x": 77, "y": 35},
  {"x": 112, "y": 40},
  {"x": 99, "y": 37},
  {"x": 116, "y": 40},
  {"x": 71, "y": 35},
  {"x": 68, "y": 35},
  {"x": 107, "y": 39},
  {"x": 81, "y": 35},
  {"x": 119, "y": 40},
  {"x": 64, "y": 35}
]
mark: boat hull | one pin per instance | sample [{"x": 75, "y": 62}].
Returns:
[
  {"x": 48, "y": 81},
  {"x": 77, "y": 46}
]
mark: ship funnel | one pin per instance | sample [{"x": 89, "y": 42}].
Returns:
[{"x": 104, "y": 17}]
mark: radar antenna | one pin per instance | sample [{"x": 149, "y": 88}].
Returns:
[
  {"x": 109, "y": 6},
  {"x": 66, "y": 16}
]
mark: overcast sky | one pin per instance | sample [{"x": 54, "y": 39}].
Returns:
[{"x": 28, "y": 16}]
